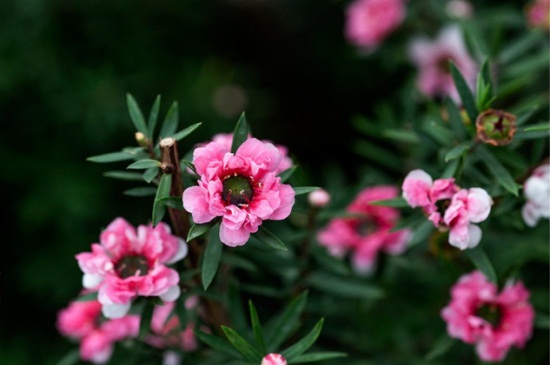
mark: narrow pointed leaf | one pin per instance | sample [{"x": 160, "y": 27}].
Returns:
[
  {"x": 537, "y": 127},
  {"x": 481, "y": 261},
  {"x": 487, "y": 77},
  {"x": 256, "y": 328},
  {"x": 305, "y": 343},
  {"x": 304, "y": 189},
  {"x": 173, "y": 202},
  {"x": 243, "y": 346},
  {"x": 217, "y": 343},
  {"x": 153, "y": 117},
  {"x": 211, "y": 257},
  {"x": 150, "y": 174},
  {"x": 187, "y": 131},
  {"x": 190, "y": 165},
  {"x": 136, "y": 115},
  {"x": 143, "y": 164},
  {"x": 283, "y": 325},
  {"x": 285, "y": 175},
  {"x": 457, "y": 151},
  {"x": 141, "y": 191},
  {"x": 441, "y": 346},
  {"x": 395, "y": 202},
  {"x": 316, "y": 356},
  {"x": 163, "y": 191},
  {"x": 198, "y": 230},
  {"x": 112, "y": 157},
  {"x": 124, "y": 175},
  {"x": 465, "y": 93},
  {"x": 240, "y": 134},
  {"x": 499, "y": 172},
  {"x": 268, "y": 238},
  {"x": 523, "y": 117},
  {"x": 145, "y": 320},
  {"x": 170, "y": 124},
  {"x": 343, "y": 287}
]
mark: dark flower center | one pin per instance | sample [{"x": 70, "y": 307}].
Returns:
[
  {"x": 237, "y": 190},
  {"x": 491, "y": 313},
  {"x": 443, "y": 64},
  {"x": 132, "y": 265},
  {"x": 366, "y": 226},
  {"x": 442, "y": 206}
]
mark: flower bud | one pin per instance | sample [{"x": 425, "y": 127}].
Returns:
[
  {"x": 273, "y": 359},
  {"x": 141, "y": 139},
  {"x": 496, "y": 127},
  {"x": 319, "y": 198}
]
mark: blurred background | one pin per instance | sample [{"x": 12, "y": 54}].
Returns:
[{"x": 65, "y": 69}]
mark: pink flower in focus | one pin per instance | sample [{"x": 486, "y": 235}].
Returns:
[
  {"x": 130, "y": 263},
  {"x": 273, "y": 359},
  {"x": 242, "y": 188},
  {"x": 369, "y": 232},
  {"x": 538, "y": 14},
  {"x": 537, "y": 192},
  {"x": 82, "y": 321},
  {"x": 478, "y": 314},
  {"x": 369, "y": 22},
  {"x": 167, "y": 331},
  {"x": 432, "y": 57}
]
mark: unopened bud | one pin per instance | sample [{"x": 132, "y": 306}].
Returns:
[
  {"x": 496, "y": 127},
  {"x": 319, "y": 198},
  {"x": 273, "y": 359},
  {"x": 141, "y": 139}
]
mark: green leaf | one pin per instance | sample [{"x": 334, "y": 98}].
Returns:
[
  {"x": 136, "y": 115},
  {"x": 163, "y": 191},
  {"x": 457, "y": 151},
  {"x": 441, "y": 346},
  {"x": 269, "y": 239},
  {"x": 451, "y": 169},
  {"x": 455, "y": 119},
  {"x": 112, "y": 157},
  {"x": 240, "y": 134},
  {"x": 394, "y": 202},
  {"x": 499, "y": 172},
  {"x": 124, "y": 175},
  {"x": 187, "y": 131},
  {"x": 316, "y": 356},
  {"x": 519, "y": 47},
  {"x": 170, "y": 124},
  {"x": 537, "y": 127},
  {"x": 305, "y": 343},
  {"x": 87, "y": 297},
  {"x": 190, "y": 165},
  {"x": 150, "y": 174},
  {"x": 285, "y": 175},
  {"x": 211, "y": 256},
  {"x": 465, "y": 93},
  {"x": 153, "y": 117},
  {"x": 143, "y": 164},
  {"x": 481, "y": 261},
  {"x": 173, "y": 202},
  {"x": 217, "y": 343},
  {"x": 198, "y": 230},
  {"x": 304, "y": 189},
  {"x": 421, "y": 232},
  {"x": 344, "y": 287},
  {"x": 145, "y": 320},
  {"x": 141, "y": 191},
  {"x": 523, "y": 117},
  {"x": 283, "y": 325},
  {"x": 244, "y": 347},
  {"x": 71, "y": 358},
  {"x": 401, "y": 135},
  {"x": 256, "y": 328},
  {"x": 485, "y": 73}
]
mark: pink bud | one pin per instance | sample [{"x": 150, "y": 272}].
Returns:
[
  {"x": 273, "y": 359},
  {"x": 319, "y": 198}
]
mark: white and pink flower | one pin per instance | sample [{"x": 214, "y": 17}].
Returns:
[
  {"x": 537, "y": 192},
  {"x": 448, "y": 207},
  {"x": 273, "y": 359},
  {"x": 432, "y": 59},
  {"x": 318, "y": 198},
  {"x": 82, "y": 321},
  {"x": 128, "y": 263},
  {"x": 369, "y": 22},
  {"x": 494, "y": 322},
  {"x": 242, "y": 188},
  {"x": 367, "y": 232}
]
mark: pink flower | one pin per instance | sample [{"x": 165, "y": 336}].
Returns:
[
  {"x": 167, "y": 330},
  {"x": 478, "y": 314},
  {"x": 319, "y": 198},
  {"x": 82, "y": 321},
  {"x": 130, "y": 263},
  {"x": 537, "y": 192},
  {"x": 369, "y": 232},
  {"x": 273, "y": 359},
  {"x": 432, "y": 58},
  {"x": 369, "y": 22},
  {"x": 538, "y": 14},
  {"x": 242, "y": 188}
]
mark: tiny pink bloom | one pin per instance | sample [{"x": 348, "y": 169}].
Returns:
[
  {"x": 432, "y": 57},
  {"x": 319, "y": 198},
  {"x": 537, "y": 193},
  {"x": 167, "y": 331},
  {"x": 467, "y": 206},
  {"x": 369, "y": 22},
  {"x": 82, "y": 321},
  {"x": 538, "y": 14},
  {"x": 128, "y": 263},
  {"x": 273, "y": 359},
  {"x": 368, "y": 233},
  {"x": 240, "y": 187},
  {"x": 494, "y": 322}
]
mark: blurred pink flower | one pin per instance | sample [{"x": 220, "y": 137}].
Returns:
[
  {"x": 369, "y": 22},
  {"x": 367, "y": 233},
  {"x": 273, "y": 359},
  {"x": 537, "y": 192},
  {"x": 82, "y": 321},
  {"x": 432, "y": 57},
  {"x": 130, "y": 263},
  {"x": 494, "y": 322},
  {"x": 538, "y": 14},
  {"x": 167, "y": 331},
  {"x": 242, "y": 188},
  {"x": 319, "y": 198}
]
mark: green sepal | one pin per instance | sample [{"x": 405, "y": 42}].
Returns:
[
  {"x": 163, "y": 191},
  {"x": 249, "y": 352},
  {"x": 305, "y": 343},
  {"x": 136, "y": 115},
  {"x": 211, "y": 257},
  {"x": 240, "y": 134},
  {"x": 265, "y": 236}
]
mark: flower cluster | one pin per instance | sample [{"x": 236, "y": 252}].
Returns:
[
  {"x": 367, "y": 231},
  {"x": 449, "y": 207},
  {"x": 128, "y": 263},
  {"x": 240, "y": 187},
  {"x": 478, "y": 314}
]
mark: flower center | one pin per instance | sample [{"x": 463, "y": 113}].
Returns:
[
  {"x": 443, "y": 64},
  {"x": 442, "y": 206},
  {"x": 491, "y": 313},
  {"x": 132, "y": 265},
  {"x": 366, "y": 226},
  {"x": 237, "y": 191}
]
